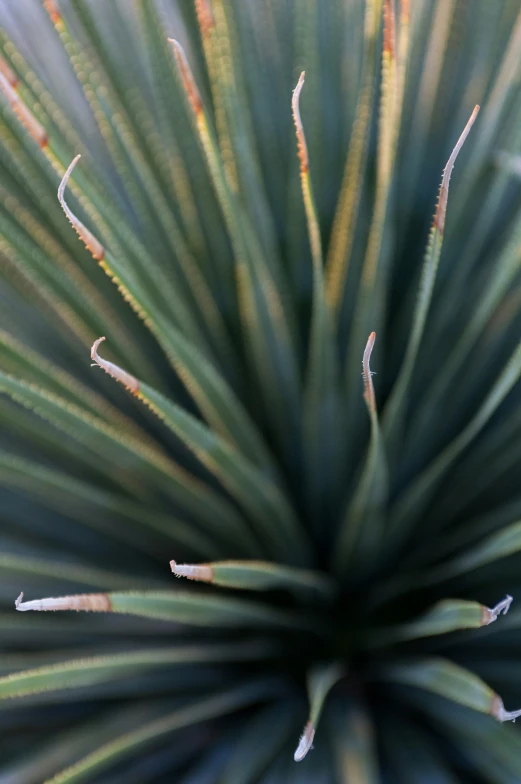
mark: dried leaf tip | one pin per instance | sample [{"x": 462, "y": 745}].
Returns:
[
  {"x": 187, "y": 77},
  {"x": 441, "y": 209},
  {"x": 91, "y": 602},
  {"x": 129, "y": 381},
  {"x": 26, "y": 117},
  {"x": 88, "y": 239},
  {"x": 302, "y": 149},
  {"x": 201, "y": 572},
  {"x": 368, "y": 376},
  {"x": 498, "y": 711},
  {"x": 490, "y": 614},
  {"x": 305, "y": 743}
]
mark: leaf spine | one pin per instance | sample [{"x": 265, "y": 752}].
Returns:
[
  {"x": 89, "y": 240},
  {"x": 129, "y": 381}
]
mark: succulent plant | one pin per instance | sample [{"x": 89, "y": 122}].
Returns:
[{"x": 271, "y": 542}]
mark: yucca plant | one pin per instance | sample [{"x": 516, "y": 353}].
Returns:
[{"x": 265, "y": 236}]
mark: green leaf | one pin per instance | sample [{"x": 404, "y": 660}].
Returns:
[
  {"x": 451, "y": 681},
  {"x": 74, "y": 573},
  {"x": 416, "y": 497},
  {"x": 259, "y": 741},
  {"x": 148, "y": 734},
  {"x": 256, "y": 576},
  {"x": 360, "y": 532},
  {"x": 343, "y": 230},
  {"x": 261, "y": 499},
  {"x": 448, "y": 615},
  {"x": 354, "y": 743},
  {"x": 109, "y": 443},
  {"x": 130, "y": 520},
  {"x": 264, "y": 313},
  {"x": 320, "y": 681},
  {"x": 499, "y": 545},
  {"x": 322, "y": 409},
  {"x": 175, "y": 606},
  {"x": 99, "y": 669},
  {"x": 394, "y": 411},
  {"x": 494, "y": 750},
  {"x": 412, "y": 755}
]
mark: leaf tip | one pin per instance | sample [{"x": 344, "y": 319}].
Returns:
[
  {"x": 89, "y": 240},
  {"x": 128, "y": 380},
  {"x": 498, "y": 711},
  {"x": 305, "y": 743},
  {"x": 187, "y": 78},
  {"x": 441, "y": 209},
  {"x": 302, "y": 149},
  {"x": 490, "y": 614},
  {"x": 368, "y": 375},
  {"x": 201, "y": 572}
]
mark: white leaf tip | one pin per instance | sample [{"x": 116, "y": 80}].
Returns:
[{"x": 305, "y": 743}]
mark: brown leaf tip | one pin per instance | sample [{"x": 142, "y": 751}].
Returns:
[
  {"x": 201, "y": 572},
  {"x": 302, "y": 149},
  {"x": 128, "y": 380},
  {"x": 89, "y": 240},
  {"x": 187, "y": 77},
  {"x": 497, "y": 710},
  {"x": 489, "y": 615},
  {"x": 305, "y": 743}
]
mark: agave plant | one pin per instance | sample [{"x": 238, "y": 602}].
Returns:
[{"x": 248, "y": 239}]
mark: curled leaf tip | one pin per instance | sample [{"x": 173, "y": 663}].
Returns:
[
  {"x": 94, "y": 350},
  {"x": 441, "y": 210},
  {"x": 490, "y": 614},
  {"x": 305, "y": 743},
  {"x": 368, "y": 376},
  {"x": 187, "y": 77},
  {"x": 498, "y": 711},
  {"x": 128, "y": 380},
  {"x": 201, "y": 572},
  {"x": 19, "y": 600},
  {"x": 302, "y": 149},
  {"x": 89, "y": 240}
]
